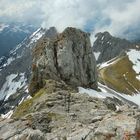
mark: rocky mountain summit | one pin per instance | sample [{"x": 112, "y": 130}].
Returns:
[
  {"x": 57, "y": 110},
  {"x": 108, "y": 47},
  {"x": 68, "y": 57}
]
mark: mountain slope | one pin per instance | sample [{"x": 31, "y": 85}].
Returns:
[
  {"x": 106, "y": 47},
  {"x": 13, "y": 34},
  {"x": 122, "y": 73}
]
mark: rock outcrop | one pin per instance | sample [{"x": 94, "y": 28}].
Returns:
[
  {"x": 68, "y": 57},
  {"x": 109, "y": 47},
  {"x": 60, "y": 113}
]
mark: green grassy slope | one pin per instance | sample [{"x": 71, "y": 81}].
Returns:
[{"x": 120, "y": 76}]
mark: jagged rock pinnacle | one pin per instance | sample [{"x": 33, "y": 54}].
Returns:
[{"x": 68, "y": 57}]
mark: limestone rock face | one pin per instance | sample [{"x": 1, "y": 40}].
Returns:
[{"x": 68, "y": 57}]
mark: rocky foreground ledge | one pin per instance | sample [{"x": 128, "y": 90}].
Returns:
[{"x": 57, "y": 111}]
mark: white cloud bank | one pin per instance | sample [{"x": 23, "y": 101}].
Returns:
[{"x": 121, "y": 18}]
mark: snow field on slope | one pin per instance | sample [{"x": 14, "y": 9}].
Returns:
[
  {"x": 105, "y": 93},
  {"x": 134, "y": 57},
  {"x": 11, "y": 85}
]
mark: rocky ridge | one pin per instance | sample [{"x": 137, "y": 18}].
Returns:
[
  {"x": 108, "y": 47},
  {"x": 59, "y": 112},
  {"x": 68, "y": 57}
]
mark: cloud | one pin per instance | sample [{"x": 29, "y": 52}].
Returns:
[
  {"x": 20, "y": 11},
  {"x": 63, "y": 13},
  {"x": 120, "y": 18},
  {"x": 124, "y": 20}
]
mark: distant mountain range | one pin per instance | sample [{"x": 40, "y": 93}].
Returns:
[{"x": 11, "y": 34}]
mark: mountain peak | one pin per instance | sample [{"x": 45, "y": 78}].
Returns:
[
  {"x": 51, "y": 32},
  {"x": 68, "y": 57},
  {"x": 74, "y": 33},
  {"x": 109, "y": 47},
  {"x": 103, "y": 34}
]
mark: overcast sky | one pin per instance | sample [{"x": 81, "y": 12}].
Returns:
[{"x": 119, "y": 17}]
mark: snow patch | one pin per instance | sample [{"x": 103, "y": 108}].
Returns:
[
  {"x": 1, "y": 59},
  {"x": 97, "y": 54},
  {"x": 18, "y": 56},
  {"x": 13, "y": 82},
  {"x": 8, "y": 115},
  {"x": 134, "y": 57},
  {"x": 21, "y": 100},
  {"x": 29, "y": 97},
  {"x": 138, "y": 77},
  {"x": 107, "y": 92},
  {"x": 135, "y": 98},
  {"x": 102, "y": 38},
  {"x": 37, "y": 35},
  {"x": 9, "y": 60},
  {"x": 94, "y": 93},
  {"x": 92, "y": 38},
  {"x": 110, "y": 62}
]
